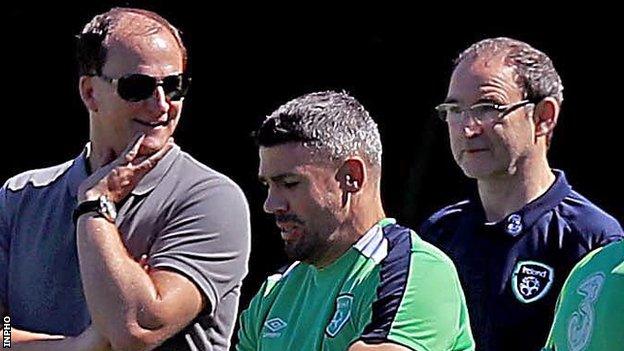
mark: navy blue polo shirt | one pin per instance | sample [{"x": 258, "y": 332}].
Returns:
[{"x": 512, "y": 270}]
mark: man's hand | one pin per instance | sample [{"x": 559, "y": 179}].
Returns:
[
  {"x": 143, "y": 263},
  {"x": 134, "y": 306},
  {"x": 117, "y": 179}
]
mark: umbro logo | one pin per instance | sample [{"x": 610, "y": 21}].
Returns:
[{"x": 273, "y": 327}]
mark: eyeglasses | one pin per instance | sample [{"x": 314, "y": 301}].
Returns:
[
  {"x": 138, "y": 87},
  {"x": 482, "y": 112}
]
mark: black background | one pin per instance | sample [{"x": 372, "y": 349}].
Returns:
[{"x": 247, "y": 60}]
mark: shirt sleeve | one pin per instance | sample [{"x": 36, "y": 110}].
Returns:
[
  {"x": 250, "y": 323},
  {"x": 207, "y": 239},
  {"x": 612, "y": 233},
  {"x": 431, "y": 312},
  {"x": 550, "y": 341}
]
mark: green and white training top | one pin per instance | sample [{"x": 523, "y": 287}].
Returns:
[
  {"x": 590, "y": 311},
  {"x": 390, "y": 287}
]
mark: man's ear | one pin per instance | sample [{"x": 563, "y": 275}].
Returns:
[
  {"x": 85, "y": 86},
  {"x": 545, "y": 116},
  {"x": 352, "y": 175}
]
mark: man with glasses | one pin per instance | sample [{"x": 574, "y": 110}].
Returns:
[
  {"x": 73, "y": 237},
  {"x": 516, "y": 241}
]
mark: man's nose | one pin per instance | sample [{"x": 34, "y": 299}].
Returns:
[
  {"x": 471, "y": 127},
  {"x": 274, "y": 203}
]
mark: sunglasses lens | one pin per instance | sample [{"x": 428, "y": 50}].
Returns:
[
  {"x": 175, "y": 87},
  {"x": 136, "y": 87}
]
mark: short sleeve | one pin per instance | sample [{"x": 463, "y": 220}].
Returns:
[
  {"x": 420, "y": 303},
  {"x": 251, "y": 321},
  {"x": 207, "y": 239}
]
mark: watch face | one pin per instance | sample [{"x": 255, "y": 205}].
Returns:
[{"x": 107, "y": 209}]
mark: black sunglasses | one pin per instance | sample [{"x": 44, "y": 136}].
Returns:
[{"x": 137, "y": 87}]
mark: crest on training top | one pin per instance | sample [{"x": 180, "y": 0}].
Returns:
[
  {"x": 341, "y": 316},
  {"x": 531, "y": 280}
]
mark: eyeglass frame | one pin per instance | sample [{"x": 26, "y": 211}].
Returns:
[{"x": 502, "y": 109}]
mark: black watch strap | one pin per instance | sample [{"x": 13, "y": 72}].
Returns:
[{"x": 86, "y": 207}]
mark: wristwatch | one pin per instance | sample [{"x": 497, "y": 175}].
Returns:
[{"x": 103, "y": 206}]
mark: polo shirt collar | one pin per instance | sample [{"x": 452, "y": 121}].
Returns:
[
  {"x": 515, "y": 223},
  {"x": 153, "y": 177},
  {"x": 78, "y": 170}
]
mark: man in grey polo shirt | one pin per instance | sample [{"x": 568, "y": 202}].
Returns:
[{"x": 72, "y": 236}]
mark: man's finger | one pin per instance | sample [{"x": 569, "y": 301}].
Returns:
[
  {"x": 151, "y": 161},
  {"x": 143, "y": 260},
  {"x": 143, "y": 263},
  {"x": 132, "y": 150}
]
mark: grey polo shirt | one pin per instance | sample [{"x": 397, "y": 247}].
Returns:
[{"x": 185, "y": 216}]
